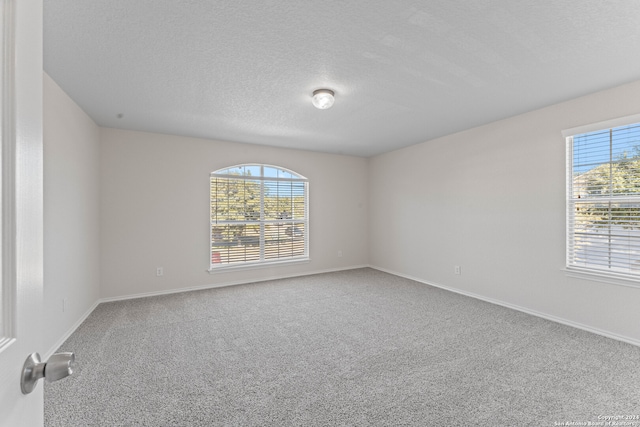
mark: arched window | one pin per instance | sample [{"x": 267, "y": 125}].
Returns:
[{"x": 259, "y": 214}]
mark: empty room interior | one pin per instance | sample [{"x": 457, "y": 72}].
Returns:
[{"x": 341, "y": 213}]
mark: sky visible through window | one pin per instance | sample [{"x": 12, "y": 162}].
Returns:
[
  {"x": 283, "y": 189},
  {"x": 595, "y": 148},
  {"x": 254, "y": 170}
]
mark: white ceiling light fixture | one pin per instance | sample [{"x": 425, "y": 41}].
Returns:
[{"x": 323, "y": 98}]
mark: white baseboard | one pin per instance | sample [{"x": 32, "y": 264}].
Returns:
[
  {"x": 225, "y": 284},
  {"x": 71, "y": 330},
  {"x": 518, "y": 308}
]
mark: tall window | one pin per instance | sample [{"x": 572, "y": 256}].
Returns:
[
  {"x": 603, "y": 219},
  {"x": 259, "y": 214}
]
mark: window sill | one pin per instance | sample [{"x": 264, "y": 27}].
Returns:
[
  {"x": 257, "y": 265},
  {"x": 597, "y": 276}
]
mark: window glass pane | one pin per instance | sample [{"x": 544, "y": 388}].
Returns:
[
  {"x": 224, "y": 236},
  {"x": 604, "y": 201},
  {"x": 607, "y": 162},
  {"x": 607, "y": 236},
  {"x": 236, "y": 171},
  {"x": 285, "y": 200},
  {"x": 625, "y": 142},
  {"x": 592, "y": 183},
  {"x": 298, "y": 200},
  {"x": 252, "y": 170},
  {"x": 242, "y": 170},
  {"x": 235, "y": 244},
  {"x": 274, "y": 172},
  {"x": 257, "y": 218},
  {"x": 285, "y": 174},
  {"x": 270, "y": 172},
  {"x": 279, "y": 199},
  {"x": 284, "y": 240},
  {"x": 590, "y": 150},
  {"x": 235, "y": 199}
]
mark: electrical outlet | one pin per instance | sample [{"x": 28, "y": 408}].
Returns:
[
  {"x": 159, "y": 271},
  {"x": 456, "y": 269},
  {"x": 340, "y": 254},
  {"x": 65, "y": 304}
]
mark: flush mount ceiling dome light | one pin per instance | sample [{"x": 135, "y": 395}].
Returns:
[{"x": 323, "y": 98}]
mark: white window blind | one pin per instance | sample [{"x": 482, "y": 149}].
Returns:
[
  {"x": 259, "y": 214},
  {"x": 603, "y": 201}
]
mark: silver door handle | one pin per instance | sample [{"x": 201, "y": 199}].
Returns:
[{"x": 57, "y": 367}]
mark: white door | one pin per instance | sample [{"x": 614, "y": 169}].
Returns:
[{"x": 21, "y": 207}]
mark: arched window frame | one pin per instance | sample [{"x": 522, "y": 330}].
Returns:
[{"x": 259, "y": 216}]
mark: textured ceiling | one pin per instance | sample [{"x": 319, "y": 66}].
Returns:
[{"x": 404, "y": 71}]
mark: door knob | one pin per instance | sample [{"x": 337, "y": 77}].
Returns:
[{"x": 57, "y": 367}]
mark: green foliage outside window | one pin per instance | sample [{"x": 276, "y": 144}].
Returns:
[{"x": 606, "y": 182}]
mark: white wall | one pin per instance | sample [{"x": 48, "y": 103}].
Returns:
[
  {"x": 492, "y": 200},
  {"x": 71, "y": 215},
  {"x": 155, "y": 210}
]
